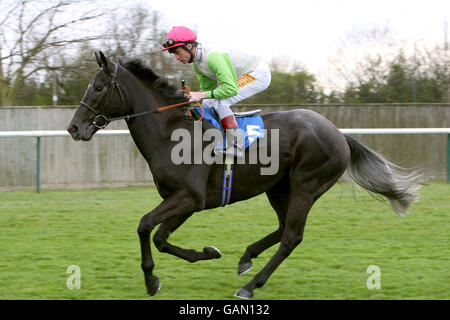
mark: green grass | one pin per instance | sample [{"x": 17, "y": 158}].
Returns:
[{"x": 41, "y": 235}]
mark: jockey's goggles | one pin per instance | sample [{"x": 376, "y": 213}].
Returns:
[{"x": 170, "y": 42}]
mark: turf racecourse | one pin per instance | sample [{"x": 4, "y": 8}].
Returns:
[{"x": 347, "y": 231}]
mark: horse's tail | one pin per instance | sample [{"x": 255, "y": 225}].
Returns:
[{"x": 380, "y": 177}]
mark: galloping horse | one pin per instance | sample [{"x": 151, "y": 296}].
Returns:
[{"x": 313, "y": 154}]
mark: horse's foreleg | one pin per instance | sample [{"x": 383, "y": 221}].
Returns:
[
  {"x": 178, "y": 203},
  {"x": 147, "y": 265},
  {"x": 169, "y": 226}
]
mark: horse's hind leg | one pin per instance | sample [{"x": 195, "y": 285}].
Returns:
[
  {"x": 279, "y": 199},
  {"x": 169, "y": 226},
  {"x": 292, "y": 236},
  {"x": 305, "y": 190}
]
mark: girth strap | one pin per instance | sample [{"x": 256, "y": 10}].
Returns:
[{"x": 227, "y": 185}]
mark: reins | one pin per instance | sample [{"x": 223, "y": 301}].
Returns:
[
  {"x": 185, "y": 89},
  {"x": 101, "y": 124}
]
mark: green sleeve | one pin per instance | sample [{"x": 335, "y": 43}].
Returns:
[
  {"x": 220, "y": 64},
  {"x": 206, "y": 84}
]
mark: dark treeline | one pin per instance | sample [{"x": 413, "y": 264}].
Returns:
[{"x": 32, "y": 76}]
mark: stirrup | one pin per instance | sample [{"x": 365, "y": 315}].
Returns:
[{"x": 235, "y": 151}]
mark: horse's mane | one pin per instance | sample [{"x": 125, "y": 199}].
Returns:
[{"x": 152, "y": 79}]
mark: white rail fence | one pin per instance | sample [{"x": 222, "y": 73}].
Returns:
[{"x": 38, "y": 134}]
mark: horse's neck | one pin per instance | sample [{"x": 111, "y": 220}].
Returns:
[{"x": 150, "y": 132}]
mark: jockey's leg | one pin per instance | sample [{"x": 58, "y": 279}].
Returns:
[
  {"x": 258, "y": 81},
  {"x": 233, "y": 135}
]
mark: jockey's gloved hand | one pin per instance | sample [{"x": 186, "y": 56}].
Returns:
[{"x": 197, "y": 96}]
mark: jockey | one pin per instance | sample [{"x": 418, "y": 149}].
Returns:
[{"x": 226, "y": 77}]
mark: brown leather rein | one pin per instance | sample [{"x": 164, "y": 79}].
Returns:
[{"x": 101, "y": 121}]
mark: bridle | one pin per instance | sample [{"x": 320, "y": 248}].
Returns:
[
  {"x": 112, "y": 85},
  {"x": 101, "y": 121}
]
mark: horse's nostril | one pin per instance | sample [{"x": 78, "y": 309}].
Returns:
[{"x": 74, "y": 128}]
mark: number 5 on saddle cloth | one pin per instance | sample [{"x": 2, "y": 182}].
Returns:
[{"x": 250, "y": 123}]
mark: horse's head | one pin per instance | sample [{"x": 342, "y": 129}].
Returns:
[{"x": 103, "y": 99}]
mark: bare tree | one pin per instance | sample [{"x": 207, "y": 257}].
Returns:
[
  {"x": 130, "y": 31},
  {"x": 34, "y": 33}
]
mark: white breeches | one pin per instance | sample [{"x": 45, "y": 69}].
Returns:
[{"x": 249, "y": 85}]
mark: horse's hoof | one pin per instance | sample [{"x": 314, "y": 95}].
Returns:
[
  {"x": 212, "y": 252},
  {"x": 244, "y": 267},
  {"x": 154, "y": 286},
  {"x": 243, "y": 294}
]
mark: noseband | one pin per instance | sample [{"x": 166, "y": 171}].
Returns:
[{"x": 100, "y": 120}]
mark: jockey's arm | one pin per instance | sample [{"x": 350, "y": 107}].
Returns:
[
  {"x": 206, "y": 84},
  {"x": 220, "y": 64}
]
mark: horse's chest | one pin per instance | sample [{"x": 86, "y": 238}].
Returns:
[{"x": 164, "y": 191}]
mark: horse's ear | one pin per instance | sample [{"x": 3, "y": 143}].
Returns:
[
  {"x": 121, "y": 62},
  {"x": 98, "y": 60},
  {"x": 105, "y": 63}
]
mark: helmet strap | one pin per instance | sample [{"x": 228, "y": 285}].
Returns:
[{"x": 190, "y": 52}]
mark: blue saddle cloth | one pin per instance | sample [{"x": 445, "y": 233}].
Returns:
[{"x": 252, "y": 126}]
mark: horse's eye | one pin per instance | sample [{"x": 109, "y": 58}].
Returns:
[{"x": 99, "y": 88}]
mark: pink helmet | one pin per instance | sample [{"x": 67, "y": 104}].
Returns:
[{"x": 179, "y": 36}]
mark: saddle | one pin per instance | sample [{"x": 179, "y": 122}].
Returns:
[
  {"x": 252, "y": 126},
  {"x": 250, "y": 122}
]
